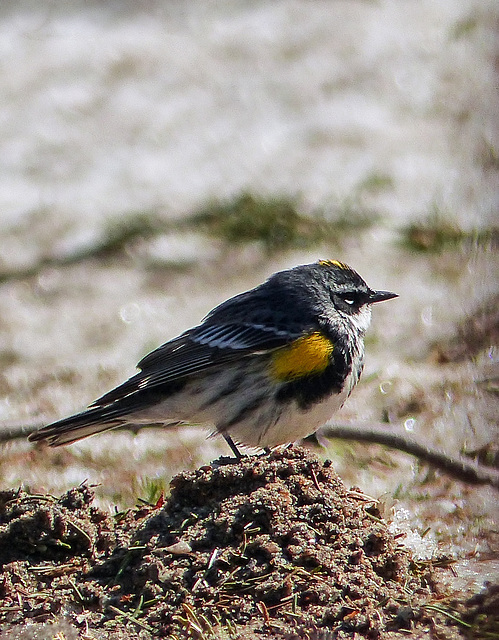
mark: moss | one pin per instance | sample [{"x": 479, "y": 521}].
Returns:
[
  {"x": 489, "y": 156},
  {"x": 375, "y": 182},
  {"x": 438, "y": 233},
  {"x": 464, "y": 28},
  {"x": 275, "y": 222}
]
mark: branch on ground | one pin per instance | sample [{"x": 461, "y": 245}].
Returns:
[{"x": 457, "y": 467}]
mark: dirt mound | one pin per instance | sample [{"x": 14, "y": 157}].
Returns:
[{"x": 274, "y": 546}]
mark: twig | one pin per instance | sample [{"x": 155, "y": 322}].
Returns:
[
  {"x": 470, "y": 472},
  {"x": 8, "y": 433}
]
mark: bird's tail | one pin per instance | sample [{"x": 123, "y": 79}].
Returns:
[{"x": 76, "y": 427}]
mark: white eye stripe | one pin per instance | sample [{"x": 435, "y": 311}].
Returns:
[{"x": 348, "y": 298}]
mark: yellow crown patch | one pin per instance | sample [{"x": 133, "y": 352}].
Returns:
[{"x": 334, "y": 263}]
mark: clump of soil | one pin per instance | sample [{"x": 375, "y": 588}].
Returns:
[
  {"x": 271, "y": 546},
  {"x": 47, "y": 546},
  {"x": 45, "y": 528}
]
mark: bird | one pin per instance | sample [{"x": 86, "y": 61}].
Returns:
[{"x": 266, "y": 367}]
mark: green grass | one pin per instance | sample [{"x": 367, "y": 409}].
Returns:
[{"x": 151, "y": 489}]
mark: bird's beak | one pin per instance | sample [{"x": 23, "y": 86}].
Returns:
[{"x": 379, "y": 296}]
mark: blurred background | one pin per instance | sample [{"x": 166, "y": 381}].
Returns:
[{"x": 158, "y": 157}]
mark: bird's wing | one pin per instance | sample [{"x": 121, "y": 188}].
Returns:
[
  {"x": 199, "y": 349},
  {"x": 204, "y": 347}
]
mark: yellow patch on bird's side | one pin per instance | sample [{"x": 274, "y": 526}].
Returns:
[
  {"x": 333, "y": 263},
  {"x": 307, "y": 355}
]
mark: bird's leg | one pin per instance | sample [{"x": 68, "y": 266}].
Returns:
[{"x": 238, "y": 455}]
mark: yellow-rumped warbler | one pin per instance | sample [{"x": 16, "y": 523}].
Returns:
[{"x": 266, "y": 367}]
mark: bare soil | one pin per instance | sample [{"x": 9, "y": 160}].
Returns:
[{"x": 267, "y": 547}]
